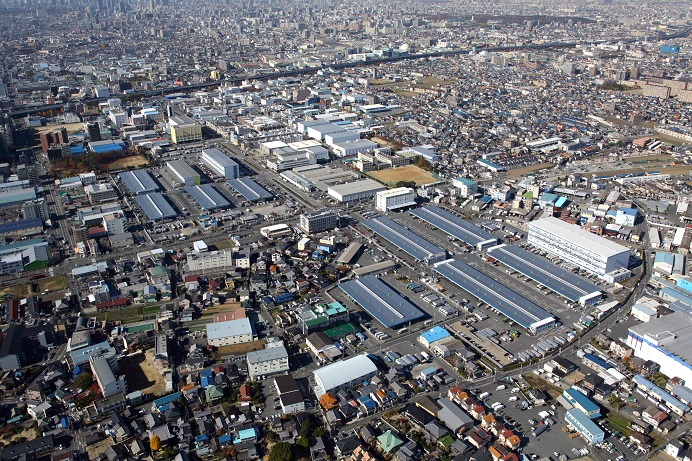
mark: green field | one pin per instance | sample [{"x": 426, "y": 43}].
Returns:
[{"x": 129, "y": 314}]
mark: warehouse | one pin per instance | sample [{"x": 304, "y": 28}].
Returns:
[
  {"x": 219, "y": 163},
  {"x": 138, "y": 182},
  {"x": 343, "y": 374},
  {"x": 155, "y": 206},
  {"x": 402, "y": 238},
  {"x": 183, "y": 172},
  {"x": 582, "y": 424},
  {"x": 565, "y": 283},
  {"x": 507, "y": 302},
  {"x": 394, "y": 199},
  {"x": 207, "y": 197},
  {"x": 455, "y": 226},
  {"x": 380, "y": 301},
  {"x": 250, "y": 190},
  {"x": 576, "y": 399},
  {"x": 585, "y": 250},
  {"x": 349, "y": 253},
  {"x": 357, "y": 190}
]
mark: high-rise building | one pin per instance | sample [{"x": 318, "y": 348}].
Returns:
[
  {"x": 318, "y": 221},
  {"x": 93, "y": 131}
]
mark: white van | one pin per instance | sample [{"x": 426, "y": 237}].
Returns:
[
  {"x": 501, "y": 387},
  {"x": 513, "y": 398},
  {"x": 484, "y": 396},
  {"x": 515, "y": 390}
]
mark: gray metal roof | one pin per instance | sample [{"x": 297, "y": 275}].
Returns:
[
  {"x": 229, "y": 328},
  {"x": 155, "y": 206},
  {"x": 380, "y": 301},
  {"x": 407, "y": 241},
  {"x": 538, "y": 269},
  {"x": 207, "y": 197},
  {"x": 453, "y": 225},
  {"x": 265, "y": 355},
  {"x": 138, "y": 182},
  {"x": 511, "y": 304},
  {"x": 182, "y": 169},
  {"x": 249, "y": 189}
]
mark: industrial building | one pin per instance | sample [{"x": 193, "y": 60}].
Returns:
[
  {"x": 183, "y": 172},
  {"x": 230, "y": 332},
  {"x": 349, "y": 253},
  {"x": 350, "y": 148},
  {"x": 405, "y": 240},
  {"x": 455, "y": 226},
  {"x": 250, "y": 190},
  {"x": 343, "y": 374},
  {"x": 265, "y": 362},
  {"x": 219, "y": 163},
  {"x": 380, "y": 301},
  {"x": 394, "y": 199},
  {"x": 138, "y": 182},
  {"x": 667, "y": 341},
  {"x": 207, "y": 197},
  {"x": 466, "y": 186},
  {"x": 584, "y": 426},
  {"x": 276, "y": 231},
  {"x": 562, "y": 282},
  {"x": 507, "y": 302},
  {"x": 184, "y": 129},
  {"x": 354, "y": 191},
  {"x": 318, "y": 221},
  {"x": 585, "y": 250},
  {"x": 155, "y": 206}
]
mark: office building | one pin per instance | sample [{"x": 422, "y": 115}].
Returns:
[
  {"x": 394, "y": 199},
  {"x": 93, "y": 131},
  {"x": 466, "y": 187},
  {"x": 265, "y": 362},
  {"x": 210, "y": 261},
  {"x": 318, "y": 221},
  {"x": 574, "y": 245},
  {"x": 220, "y": 164},
  {"x": 290, "y": 397},
  {"x": 99, "y": 193},
  {"x": 575, "y": 399},
  {"x": 183, "y": 173},
  {"x": 184, "y": 129},
  {"x": 36, "y": 209},
  {"x": 105, "y": 376}
]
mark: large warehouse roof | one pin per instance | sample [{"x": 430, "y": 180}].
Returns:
[
  {"x": 155, "y": 206},
  {"x": 138, "y": 182},
  {"x": 356, "y": 187},
  {"x": 509, "y": 303},
  {"x": 557, "y": 279},
  {"x": 228, "y": 329},
  {"x": 207, "y": 197},
  {"x": 578, "y": 236},
  {"x": 380, "y": 301},
  {"x": 344, "y": 372},
  {"x": 453, "y": 225},
  {"x": 407, "y": 241},
  {"x": 182, "y": 168},
  {"x": 249, "y": 189}
]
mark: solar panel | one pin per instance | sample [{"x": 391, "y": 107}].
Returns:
[
  {"x": 207, "y": 197},
  {"x": 455, "y": 226},
  {"x": 411, "y": 243},
  {"x": 507, "y": 302},
  {"x": 249, "y": 189},
  {"x": 380, "y": 301},
  {"x": 138, "y": 182},
  {"x": 155, "y": 206},
  {"x": 557, "y": 279}
]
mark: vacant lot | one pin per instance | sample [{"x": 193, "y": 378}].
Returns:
[
  {"x": 129, "y": 314},
  {"x": 529, "y": 169},
  {"x": 404, "y": 173},
  {"x": 133, "y": 161},
  {"x": 141, "y": 374},
  {"x": 54, "y": 285},
  {"x": 240, "y": 349},
  {"x": 671, "y": 170},
  {"x": 543, "y": 385},
  {"x": 70, "y": 127}
]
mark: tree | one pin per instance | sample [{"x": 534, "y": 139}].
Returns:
[
  {"x": 155, "y": 443},
  {"x": 272, "y": 437},
  {"x": 282, "y": 451},
  {"x": 84, "y": 380}
]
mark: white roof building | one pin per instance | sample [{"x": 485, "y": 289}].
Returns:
[
  {"x": 230, "y": 332},
  {"x": 343, "y": 374}
]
